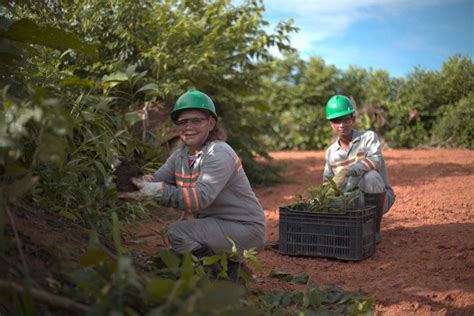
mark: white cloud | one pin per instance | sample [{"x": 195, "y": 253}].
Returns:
[{"x": 320, "y": 20}]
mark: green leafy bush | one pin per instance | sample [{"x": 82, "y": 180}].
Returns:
[
  {"x": 455, "y": 126},
  {"x": 301, "y": 128},
  {"x": 169, "y": 284}
]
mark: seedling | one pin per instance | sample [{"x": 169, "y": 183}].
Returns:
[{"x": 327, "y": 198}]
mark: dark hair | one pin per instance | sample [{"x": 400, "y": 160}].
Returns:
[{"x": 217, "y": 133}]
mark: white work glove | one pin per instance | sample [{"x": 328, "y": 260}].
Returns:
[
  {"x": 340, "y": 177},
  {"x": 149, "y": 178},
  {"x": 147, "y": 190}
]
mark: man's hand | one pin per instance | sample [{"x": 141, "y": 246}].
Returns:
[
  {"x": 340, "y": 177},
  {"x": 147, "y": 190}
]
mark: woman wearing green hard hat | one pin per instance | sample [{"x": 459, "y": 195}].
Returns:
[
  {"x": 355, "y": 159},
  {"x": 205, "y": 177}
]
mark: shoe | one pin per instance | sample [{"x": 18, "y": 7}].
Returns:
[
  {"x": 377, "y": 200},
  {"x": 238, "y": 272},
  {"x": 202, "y": 252}
]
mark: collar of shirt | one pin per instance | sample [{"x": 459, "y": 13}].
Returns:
[{"x": 355, "y": 139}]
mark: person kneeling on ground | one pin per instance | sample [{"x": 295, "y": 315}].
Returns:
[
  {"x": 355, "y": 159},
  {"x": 205, "y": 177}
]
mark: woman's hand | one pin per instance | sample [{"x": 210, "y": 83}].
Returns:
[
  {"x": 149, "y": 178},
  {"x": 147, "y": 190}
]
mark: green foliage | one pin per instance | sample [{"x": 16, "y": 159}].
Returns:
[
  {"x": 67, "y": 116},
  {"x": 413, "y": 112},
  {"x": 403, "y": 111},
  {"x": 353, "y": 83},
  {"x": 314, "y": 301},
  {"x": 422, "y": 97},
  {"x": 179, "y": 286},
  {"x": 327, "y": 198},
  {"x": 297, "y": 91},
  {"x": 182, "y": 285},
  {"x": 455, "y": 126},
  {"x": 303, "y": 128}
]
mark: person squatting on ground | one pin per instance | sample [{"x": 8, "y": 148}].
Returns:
[
  {"x": 205, "y": 177},
  {"x": 355, "y": 159}
]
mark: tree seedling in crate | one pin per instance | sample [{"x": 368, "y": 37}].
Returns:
[{"x": 327, "y": 198}]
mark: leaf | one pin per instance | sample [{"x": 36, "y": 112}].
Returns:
[
  {"x": 300, "y": 279},
  {"x": 284, "y": 275},
  {"x": 116, "y": 233},
  {"x": 273, "y": 298},
  {"x": 27, "y": 31},
  {"x": 250, "y": 255},
  {"x": 187, "y": 271},
  {"x": 147, "y": 87},
  {"x": 233, "y": 249},
  {"x": 207, "y": 261},
  {"x": 345, "y": 298},
  {"x": 362, "y": 307},
  {"x": 170, "y": 259},
  {"x": 132, "y": 117},
  {"x": 101, "y": 169},
  {"x": 159, "y": 288},
  {"x": 130, "y": 71},
  {"x": 312, "y": 298},
  {"x": 110, "y": 81},
  {"x": 78, "y": 82},
  {"x": 68, "y": 215}
]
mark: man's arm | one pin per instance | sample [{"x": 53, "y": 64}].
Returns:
[{"x": 372, "y": 159}]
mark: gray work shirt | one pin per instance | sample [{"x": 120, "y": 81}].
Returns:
[
  {"x": 215, "y": 185},
  {"x": 364, "y": 154}
]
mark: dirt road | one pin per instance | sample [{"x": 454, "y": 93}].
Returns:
[{"x": 424, "y": 264}]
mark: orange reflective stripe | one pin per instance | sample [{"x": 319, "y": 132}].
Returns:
[
  {"x": 239, "y": 165},
  {"x": 348, "y": 160},
  {"x": 183, "y": 176},
  {"x": 366, "y": 164},
  {"x": 188, "y": 184},
  {"x": 187, "y": 199},
  {"x": 195, "y": 197},
  {"x": 344, "y": 162},
  {"x": 372, "y": 163}
]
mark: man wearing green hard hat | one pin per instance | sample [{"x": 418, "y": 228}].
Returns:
[
  {"x": 205, "y": 178},
  {"x": 355, "y": 159}
]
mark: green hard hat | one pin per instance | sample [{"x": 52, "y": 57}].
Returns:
[
  {"x": 193, "y": 99},
  {"x": 338, "y": 106}
]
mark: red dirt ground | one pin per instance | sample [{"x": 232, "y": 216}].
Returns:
[{"x": 424, "y": 264}]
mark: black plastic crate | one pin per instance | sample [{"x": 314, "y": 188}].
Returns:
[{"x": 346, "y": 236}]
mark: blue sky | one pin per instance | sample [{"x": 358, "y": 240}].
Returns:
[{"x": 395, "y": 35}]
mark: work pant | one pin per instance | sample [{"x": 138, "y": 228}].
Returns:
[
  {"x": 211, "y": 232},
  {"x": 372, "y": 182}
]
